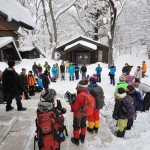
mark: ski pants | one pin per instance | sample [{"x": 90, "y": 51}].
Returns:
[
  {"x": 94, "y": 120},
  {"x": 98, "y": 78},
  {"x": 112, "y": 79},
  {"x": 122, "y": 124},
  {"x": 79, "y": 127}
]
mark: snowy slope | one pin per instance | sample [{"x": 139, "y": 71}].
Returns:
[{"x": 136, "y": 139}]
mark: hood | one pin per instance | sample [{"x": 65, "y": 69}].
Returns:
[{"x": 79, "y": 90}]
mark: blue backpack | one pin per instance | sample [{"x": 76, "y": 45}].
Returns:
[{"x": 128, "y": 107}]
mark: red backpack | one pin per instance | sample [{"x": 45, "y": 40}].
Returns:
[
  {"x": 88, "y": 107},
  {"x": 50, "y": 130}
]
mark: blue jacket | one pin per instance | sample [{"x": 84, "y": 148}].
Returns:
[
  {"x": 98, "y": 70},
  {"x": 112, "y": 69},
  {"x": 40, "y": 83},
  {"x": 71, "y": 70},
  {"x": 55, "y": 71}
]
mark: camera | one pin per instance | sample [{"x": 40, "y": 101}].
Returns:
[{"x": 71, "y": 98}]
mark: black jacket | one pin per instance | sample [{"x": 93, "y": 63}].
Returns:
[
  {"x": 62, "y": 68},
  {"x": 11, "y": 82},
  {"x": 45, "y": 80},
  {"x": 83, "y": 69},
  {"x": 35, "y": 68},
  {"x": 24, "y": 79}
]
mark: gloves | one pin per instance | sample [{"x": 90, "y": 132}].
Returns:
[
  {"x": 63, "y": 110},
  {"x": 59, "y": 106}
]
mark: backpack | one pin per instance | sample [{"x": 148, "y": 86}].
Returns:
[
  {"x": 51, "y": 130},
  {"x": 98, "y": 94},
  {"x": 88, "y": 107},
  {"x": 128, "y": 107}
]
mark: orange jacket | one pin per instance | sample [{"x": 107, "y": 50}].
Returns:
[
  {"x": 144, "y": 68},
  {"x": 31, "y": 80}
]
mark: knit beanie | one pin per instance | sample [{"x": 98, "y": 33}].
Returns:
[
  {"x": 83, "y": 84},
  {"x": 122, "y": 78},
  {"x": 93, "y": 79}
]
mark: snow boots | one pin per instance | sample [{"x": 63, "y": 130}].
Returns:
[
  {"x": 75, "y": 141},
  {"x": 90, "y": 130},
  {"x": 95, "y": 130},
  {"x": 82, "y": 138},
  {"x": 121, "y": 134},
  {"x": 9, "y": 108}
]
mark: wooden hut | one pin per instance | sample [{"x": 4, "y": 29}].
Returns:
[{"x": 83, "y": 50}]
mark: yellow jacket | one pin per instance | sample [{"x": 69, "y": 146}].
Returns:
[
  {"x": 67, "y": 64},
  {"x": 144, "y": 68}
]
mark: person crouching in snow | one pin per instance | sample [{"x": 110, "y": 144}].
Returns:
[
  {"x": 124, "y": 109},
  {"x": 77, "y": 107},
  {"x": 97, "y": 92}
]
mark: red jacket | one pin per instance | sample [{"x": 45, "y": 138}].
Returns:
[{"x": 79, "y": 103}]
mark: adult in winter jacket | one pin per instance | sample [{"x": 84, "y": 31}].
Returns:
[
  {"x": 67, "y": 65},
  {"x": 24, "y": 80},
  {"x": 48, "y": 68},
  {"x": 138, "y": 73},
  {"x": 98, "y": 72},
  {"x": 79, "y": 121},
  {"x": 77, "y": 70},
  {"x": 83, "y": 71},
  {"x": 121, "y": 112},
  {"x": 112, "y": 71},
  {"x": 62, "y": 71},
  {"x": 35, "y": 69},
  {"x": 71, "y": 71},
  {"x": 122, "y": 84},
  {"x": 144, "y": 89},
  {"x": 31, "y": 83},
  {"x": 144, "y": 68},
  {"x": 45, "y": 79},
  {"x": 126, "y": 69},
  {"x": 39, "y": 69},
  {"x": 129, "y": 80},
  {"x": 12, "y": 86},
  {"x": 55, "y": 71},
  {"x": 97, "y": 92}
]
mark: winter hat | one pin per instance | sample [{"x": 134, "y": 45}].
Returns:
[
  {"x": 121, "y": 91},
  {"x": 83, "y": 84},
  {"x": 130, "y": 88},
  {"x": 30, "y": 71},
  {"x": 128, "y": 78},
  {"x": 122, "y": 78},
  {"x": 93, "y": 79}
]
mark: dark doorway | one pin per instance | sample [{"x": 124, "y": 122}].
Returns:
[{"x": 82, "y": 58}]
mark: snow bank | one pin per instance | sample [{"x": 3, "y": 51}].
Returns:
[
  {"x": 5, "y": 40},
  {"x": 26, "y": 48},
  {"x": 15, "y": 10}
]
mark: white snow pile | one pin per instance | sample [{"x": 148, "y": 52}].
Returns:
[
  {"x": 13, "y": 9},
  {"x": 83, "y": 43},
  {"x": 5, "y": 40},
  {"x": 26, "y": 48}
]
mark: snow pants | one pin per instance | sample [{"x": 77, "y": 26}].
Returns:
[
  {"x": 79, "y": 127},
  {"x": 94, "y": 120},
  {"x": 122, "y": 124},
  {"x": 146, "y": 102},
  {"x": 77, "y": 75},
  {"x": 98, "y": 78},
  {"x": 112, "y": 79}
]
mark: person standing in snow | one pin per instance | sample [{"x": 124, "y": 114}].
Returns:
[
  {"x": 83, "y": 71},
  {"x": 48, "y": 68},
  {"x": 39, "y": 70},
  {"x": 144, "y": 89},
  {"x": 55, "y": 71},
  {"x": 35, "y": 69},
  {"x": 138, "y": 73},
  {"x": 62, "y": 71},
  {"x": 67, "y": 65},
  {"x": 112, "y": 69},
  {"x": 57, "y": 66},
  {"x": 144, "y": 69},
  {"x": 97, "y": 92},
  {"x": 71, "y": 71},
  {"x": 12, "y": 86},
  {"x": 77, "y": 69},
  {"x": 98, "y": 72},
  {"x": 45, "y": 80}
]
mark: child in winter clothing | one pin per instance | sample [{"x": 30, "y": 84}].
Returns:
[
  {"x": 83, "y": 71},
  {"x": 55, "y": 71},
  {"x": 62, "y": 71},
  {"x": 58, "y": 69},
  {"x": 144, "y": 69},
  {"x": 31, "y": 83},
  {"x": 98, "y": 72},
  {"x": 97, "y": 92},
  {"x": 45, "y": 79},
  {"x": 39, "y": 69},
  {"x": 48, "y": 68},
  {"x": 138, "y": 73},
  {"x": 77, "y": 69},
  {"x": 67, "y": 65},
  {"x": 79, "y": 122},
  {"x": 71, "y": 71},
  {"x": 121, "y": 84},
  {"x": 129, "y": 80},
  {"x": 112, "y": 74},
  {"x": 121, "y": 111}
]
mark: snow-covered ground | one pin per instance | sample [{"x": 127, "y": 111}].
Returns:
[{"x": 136, "y": 139}]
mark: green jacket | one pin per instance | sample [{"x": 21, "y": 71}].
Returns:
[{"x": 122, "y": 84}]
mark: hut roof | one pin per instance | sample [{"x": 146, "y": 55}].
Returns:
[{"x": 5, "y": 40}]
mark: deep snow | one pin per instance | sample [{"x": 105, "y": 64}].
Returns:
[{"x": 136, "y": 139}]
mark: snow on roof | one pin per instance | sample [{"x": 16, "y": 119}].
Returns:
[
  {"x": 26, "y": 48},
  {"x": 5, "y": 40},
  {"x": 84, "y": 43},
  {"x": 13, "y": 9}
]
